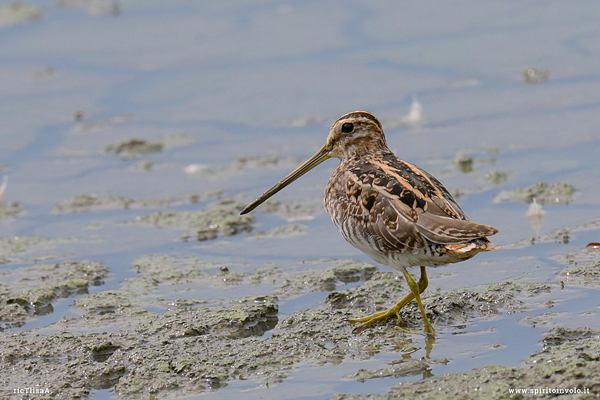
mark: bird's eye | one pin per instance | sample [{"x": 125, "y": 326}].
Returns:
[{"x": 347, "y": 127}]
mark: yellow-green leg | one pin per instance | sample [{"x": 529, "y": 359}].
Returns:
[
  {"x": 395, "y": 309},
  {"x": 415, "y": 289}
]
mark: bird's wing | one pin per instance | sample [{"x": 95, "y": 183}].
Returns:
[
  {"x": 405, "y": 205},
  {"x": 361, "y": 208}
]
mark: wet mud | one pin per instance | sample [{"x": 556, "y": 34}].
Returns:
[{"x": 190, "y": 348}]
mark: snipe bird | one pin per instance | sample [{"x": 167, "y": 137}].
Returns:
[{"x": 396, "y": 213}]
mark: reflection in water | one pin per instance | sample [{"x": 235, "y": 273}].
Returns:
[{"x": 535, "y": 213}]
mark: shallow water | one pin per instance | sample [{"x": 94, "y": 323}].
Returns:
[{"x": 217, "y": 82}]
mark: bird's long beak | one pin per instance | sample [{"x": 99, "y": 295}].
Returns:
[{"x": 312, "y": 162}]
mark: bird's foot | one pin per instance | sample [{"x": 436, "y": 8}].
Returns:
[
  {"x": 428, "y": 328},
  {"x": 378, "y": 316},
  {"x": 383, "y": 316}
]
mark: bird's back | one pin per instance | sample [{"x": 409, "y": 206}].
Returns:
[{"x": 399, "y": 214}]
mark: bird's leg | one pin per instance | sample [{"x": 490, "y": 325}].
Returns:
[
  {"x": 394, "y": 310},
  {"x": 423, "y": 281},
  {"x": 416, "y": 292}
]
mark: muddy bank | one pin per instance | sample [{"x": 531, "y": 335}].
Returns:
[
  {"x": 110, "y": 201},
  {"x": 219, "y": 219},
  {"x": 30, "y": 291},
  {"x": 155, "y": 335},
  {"x": 570, "y": 361},
  {"x": 120, "y": 341},
  {"x": 542, "y": 192}
]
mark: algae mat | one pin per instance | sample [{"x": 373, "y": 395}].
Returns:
[{"x": 191, "y": 348}]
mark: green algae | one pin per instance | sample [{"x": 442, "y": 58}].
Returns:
[
  {"x": 149, "y": 351},
  {"x": 107, "y": 200},
  {"x": 29, "y": 291},
  {"x": 542, "y": 192},
  {"x": 496, "y": 177},
  {"x": 17, "y": 244},
  {"x": 17, "y": 13},
  {"x": 463, "y": 162},
  {"x": 535, "y": 75},
  {"x": 570, "y": 364},
  {"x": 87, "y": 202},
  {"x": 221, "y": 218},
  {"x": 10, "y": 210},
  {"x": 133, "y": 148},
  {"x": 561, "y": 235},
  {"x": 296, "y": 210},
  {"x": 187, "y": 348},
  {"x": 94, "y": 7},
  {"x": 152, "y": 270},
  {"x": 229, "y": 278},
  {"x": 191, "y": 349},
  {"x": 106, "y": 301},
  {"x": 341, "y": 272},
  {"x": 283, "y": 231},
  {"x": 155, "y": 269},
  {"x": 582, "y": 267},
  {"x": 243, "y": 165},
  {"x": 384, "y": 290},
  {"x": 584, "y": 273}
]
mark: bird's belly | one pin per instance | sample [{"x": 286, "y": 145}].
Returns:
[
  {"x": 374, "y": 247},
  {"x": 431, "y": 255},
  {"x": 400, "y": 260},
  {"x": 396, "y": 254}
]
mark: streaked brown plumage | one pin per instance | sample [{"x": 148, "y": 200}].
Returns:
[{"x": 396, "y": 213}]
